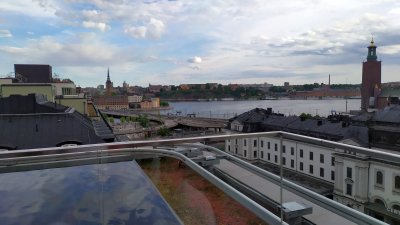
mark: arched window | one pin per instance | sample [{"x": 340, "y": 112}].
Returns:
[
  {"x": 397, "y": 182},
  {"x": 379, "y": 177},
  {"x": 396, "y": 207},
  {"x": 380, "y": 202}
]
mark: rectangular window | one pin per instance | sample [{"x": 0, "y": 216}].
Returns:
[
  {"x": 229, "y": 148},
  {"x": 269, "y": 145},
  {"x": 262, "y": 154},
  {"x": 276, "y": 147},
  {"x": 301, "y": 153},
  {"x": 349, "y": 189},
  {"x": 311, "y": 155},
  {"x": 301, "y": 166},
  {"x": 349, "y": 172},
  {"x": 332, "y": 175},
  {"x": 292, "y": 163},
  {"x": 245, "y": 153},
  {"x": 235, "y": 141},
  {"x": 244, "y": 142},
  {"x": 283, "y": 160},
  {"x": 333, "y": 161},
  {"x": 292, "y": 151},
  {"x": 276, "y": 159},
  {"x": 321, "y": 158},
  {"x": 262, "y": 144},
  {"x": 269, "y": 157},
  {"x": 255, "y": 143},
  {"x": 236, "y": 150},
  {"x": 311, "y": 169},
  {"x": 255, "y": 154},
  {"x": 321, "y": 172},
  {"x": 284, "y": 149}
]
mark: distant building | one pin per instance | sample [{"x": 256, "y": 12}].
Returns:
[
  {"x": 135, "y": 98},
  {"x": 33, "y": 73},
  {"x": 184, "y": 87},
  {"x": 150, "y": 103},
  {"x": 155, "y": 88},
  {"x": 371, "y": 79},
  {"x": 111, "y": 102},
  {"x": 286, "y": 84}
]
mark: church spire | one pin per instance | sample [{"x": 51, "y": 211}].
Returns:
[
  {"x": 372, "y": 51},
  {"x": 108, "y": 74}
]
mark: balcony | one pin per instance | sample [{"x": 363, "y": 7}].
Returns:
[{"x": 103, "y": 184}]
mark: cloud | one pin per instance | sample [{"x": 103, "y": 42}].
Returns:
[
  {"x": 5, "y": 34},
  {"x": 100, "y": 26},
  {"x": 195, "y": 59},
  {"x": 390, "y": 49},
  {"x": 153, "y": 29}
]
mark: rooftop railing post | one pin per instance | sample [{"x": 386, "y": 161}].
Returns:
[{"x": 281, "y": 175}]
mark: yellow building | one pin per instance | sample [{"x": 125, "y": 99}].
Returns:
[
  {"x": 79, "y": 104},
  {"x": 46, "y": 90}
]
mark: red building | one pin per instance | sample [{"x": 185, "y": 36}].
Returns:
[{"x": 371, "y": 78}]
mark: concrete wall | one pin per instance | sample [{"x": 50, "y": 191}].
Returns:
[{"x": 79, "y": 104}]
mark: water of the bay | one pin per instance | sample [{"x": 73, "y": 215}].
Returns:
[{"x": 228, "y": 109}]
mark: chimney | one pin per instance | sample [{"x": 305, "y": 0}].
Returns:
[{"x": 329, "y": 83}]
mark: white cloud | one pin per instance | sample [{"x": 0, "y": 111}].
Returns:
[
  {"x": 195, "y": 59},
  {"x": 153, "y": 29},
  {"x": 390, "y": 49},
  {"x": 5, "y": 34},
  {"x": 100, "y": 26},
  {"x": 136, "y": 32}
]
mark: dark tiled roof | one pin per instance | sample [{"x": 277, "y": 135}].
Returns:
[
  {"x": 321, "y": 127},
  {"x": 390, "y": 92},
  {"x": 389, "y": 114},
  {"x": 26, "y": 124}
]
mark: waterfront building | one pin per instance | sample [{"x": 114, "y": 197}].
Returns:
[
  {"x": 135, "y": 98},
  {"x": 150, "y": 103},
  {"x": 111, "y": 102}
]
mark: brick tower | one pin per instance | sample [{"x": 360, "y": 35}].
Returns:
[{"x": 371, "y": 77}]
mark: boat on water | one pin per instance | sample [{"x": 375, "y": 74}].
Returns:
[{"x": 269, "y": 98}]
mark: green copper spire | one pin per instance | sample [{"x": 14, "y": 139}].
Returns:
[{"x": 372, "y": 51}]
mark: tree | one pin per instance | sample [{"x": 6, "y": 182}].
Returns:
[
  {"x": 164, "y": 104},
  {"x": 123, "y": 120},
  {"x": 163, "y": 131},
  {"x": 143, "y": 120},
  {"x": 111, "y": 119}
]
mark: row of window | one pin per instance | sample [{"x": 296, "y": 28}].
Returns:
[
  {"x": 378, "y": 179},
  {"x": 311, "y": 154}
]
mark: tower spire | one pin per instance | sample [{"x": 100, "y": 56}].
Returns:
[
  {"x": 108, "y": 74},
  {"x": 372, "y": 51}
]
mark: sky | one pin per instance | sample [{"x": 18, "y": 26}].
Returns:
[{"x": 191, "y": 41}]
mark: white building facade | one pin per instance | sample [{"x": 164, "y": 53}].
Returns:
[{"x": 363, "y": 183}]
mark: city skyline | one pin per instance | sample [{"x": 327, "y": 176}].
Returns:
[{"x": 174, "y": 42}]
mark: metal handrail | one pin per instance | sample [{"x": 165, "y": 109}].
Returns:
[
  {"x": 391, "y": 157},
  {"x": 30, "y": 156}
]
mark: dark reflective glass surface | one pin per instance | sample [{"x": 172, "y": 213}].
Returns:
[{"x": 113, "y": 193}]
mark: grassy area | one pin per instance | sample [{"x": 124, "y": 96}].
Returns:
[{"x": 194, "y": 199}]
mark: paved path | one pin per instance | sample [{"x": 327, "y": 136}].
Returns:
[{"x": 271, "y": 190}]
